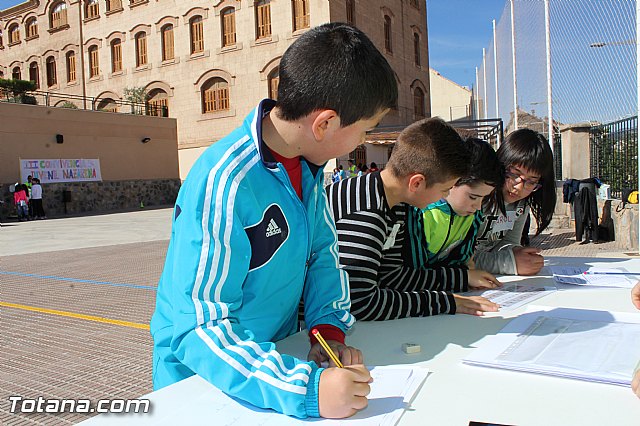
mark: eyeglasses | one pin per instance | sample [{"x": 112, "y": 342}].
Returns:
[{"x": 514, "y": 178}]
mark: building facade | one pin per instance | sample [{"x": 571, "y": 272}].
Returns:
[
  {"x": 207, "y": 62},
  {"x": 449, "y": 100}
]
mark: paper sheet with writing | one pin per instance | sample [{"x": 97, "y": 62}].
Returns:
[
  {"x": 391, "y": 391},
  {"x": 512, "y": 295},
  {"x": 575, "y": 343},
  {"x": 599, "y": 277},
  {"x": 195, "y": 401}
]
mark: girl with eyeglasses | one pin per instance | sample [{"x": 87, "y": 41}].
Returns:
[{"x": 529, "y": 186}]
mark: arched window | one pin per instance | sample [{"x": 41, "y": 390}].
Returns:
[
  {"x": 418, "y": 104},
  {"x": 71, "y": 66},
  {"x": 52, "y": 74},
  {"x": 1, "y": 45},
  {"x": 107, "y": 105},
  {"x": 31, "y": 28},
  {"x": 92, "y": 9},
  {"x": 113, "y": 5},
  {"x": 14, "y": 34},
  {"x": 274, "y": 81},
  {"x": 359, "y": 155},
  {"x": 158, "y": 103},
  {"x": 215, "y": 95},
  {"x": 416, "y": 48},
  {"x": 116, "y": 55},
  {"x": 263, "y": 18},
  {"x": 94, "y": 64},
  {"x": 58, "y": 15},
  {"x": 388, "y": 44},
  {"x": 141, "y": 49},
  {"x": 16, "y": 74},
  {"x": 34, "y": 73},
  {"x": 351, "y": 12},
  {"x": 300, "y": 14},
  {"x": 197, "y": 36},
  {"x": 168, "y": 52},
  {"x": 228, "y": 17}
]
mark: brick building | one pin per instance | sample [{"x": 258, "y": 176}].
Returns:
[{"x": 207, "y": 62}]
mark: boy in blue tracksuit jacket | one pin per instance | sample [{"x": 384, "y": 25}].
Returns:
[{"x": 252, "y": 236}]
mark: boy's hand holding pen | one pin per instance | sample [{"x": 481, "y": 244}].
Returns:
[
  {"x": 343, "y": 390},
  {"x": 319, "y": 353}
]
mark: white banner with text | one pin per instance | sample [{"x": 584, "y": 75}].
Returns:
[{"x": 61, "y": 170}]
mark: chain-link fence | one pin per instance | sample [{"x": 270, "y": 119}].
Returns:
[{"x": 573, "y": 60}]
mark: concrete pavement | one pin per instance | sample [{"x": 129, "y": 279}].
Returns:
[{"x": 77, "y": 295}]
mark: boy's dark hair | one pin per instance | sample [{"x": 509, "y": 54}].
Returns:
[
  {"x": 530, "y": 150},
  {"x": 485, "y": 165},
  {"x": 432, "y": 148},
  {"x": 485, "y": 168},
  {"x": 335, "y": 66}
]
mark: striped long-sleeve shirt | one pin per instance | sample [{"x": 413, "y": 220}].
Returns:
[{"x": 383, "y": 282}]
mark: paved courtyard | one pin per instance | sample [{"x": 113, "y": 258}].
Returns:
[{"x": 77, "y": 295}]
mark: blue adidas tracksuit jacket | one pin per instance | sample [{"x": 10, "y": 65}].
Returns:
[{"x": 244, "y": 249}]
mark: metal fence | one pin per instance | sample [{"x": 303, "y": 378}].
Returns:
[
  {"x": 614, "y": 154},
  {"x": 62, "y": 100},
  {"x": 560, "y": 62}
]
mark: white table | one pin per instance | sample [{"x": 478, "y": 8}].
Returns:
[{"x": 455, "y": 393}]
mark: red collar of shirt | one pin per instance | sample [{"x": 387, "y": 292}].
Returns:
[{"x": 293, "y": 168}]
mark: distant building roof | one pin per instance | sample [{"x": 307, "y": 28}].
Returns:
[{"x": 530, "y": 121}]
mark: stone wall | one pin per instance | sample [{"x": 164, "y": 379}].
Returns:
[
  {"x": 624, "y": 221},
  {"x": 98, "y": 197}
]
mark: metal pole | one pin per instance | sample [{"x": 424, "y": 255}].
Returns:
[
  {"x": 477, "y": 114},
  {"x": 549, "y": 97},
  {"x": 495, "y": 68},
  {"x": 495, "y": 74},
  {"x": 484, "y": 76},
  {"x": 81, "y": 54},
  {"x": 513, "y": 66},
  {"x": 638, "y": 95}
]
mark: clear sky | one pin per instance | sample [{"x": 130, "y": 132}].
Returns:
[
  {"x": 458, "y": 30},
  {"x": 4, "y": 4}
]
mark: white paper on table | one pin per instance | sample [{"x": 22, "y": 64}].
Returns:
[
  {"x": 576, "y": 275},
  {"x": 392, "y": 390},
  {"x": 581, "y": 344},
  {"x": 512, "y": 295}
]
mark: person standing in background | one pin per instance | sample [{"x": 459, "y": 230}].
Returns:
[
  {"x": 343, "y": 174},
  {"x": 352, "y": 169},
  {"x": 36, "y": 200},
  {"x": 20, "y": 199},
  {"x": 27, "y": 188}
]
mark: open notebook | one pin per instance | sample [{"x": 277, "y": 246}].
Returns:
[{"x": 582, "y": 344}]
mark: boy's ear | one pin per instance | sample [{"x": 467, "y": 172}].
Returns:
[
  {"x": 416, "y": 181},
  {"x": 324, "y": 121}
]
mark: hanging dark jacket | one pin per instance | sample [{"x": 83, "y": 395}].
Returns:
[{"x": 585, "y": 209}]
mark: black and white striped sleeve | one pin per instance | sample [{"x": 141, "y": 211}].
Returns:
[
  {"x": 399, "y": 293},
  {"x": 383, "y": 293}
]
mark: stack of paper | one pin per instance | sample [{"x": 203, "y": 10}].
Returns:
[
  {"x": 580, "y": 344},
  {"x": 512, "y": 295},
  {"x": 593, "y": 277}
]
